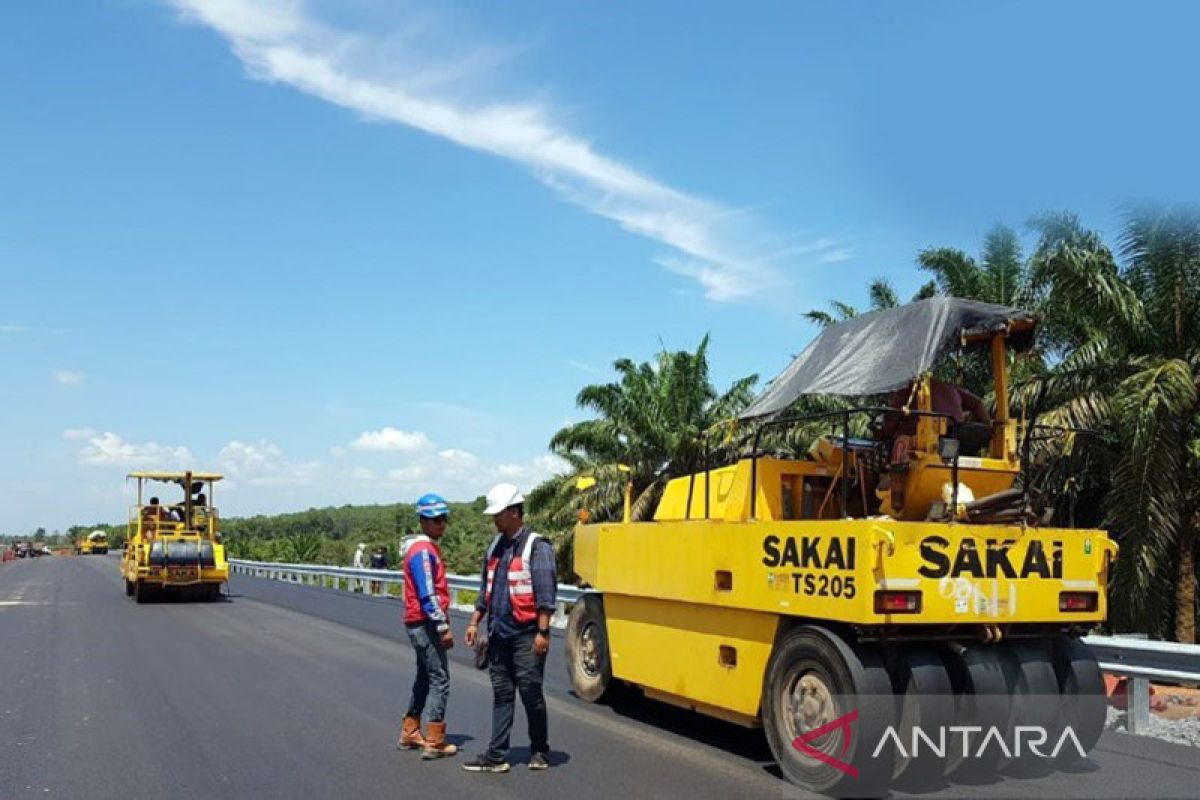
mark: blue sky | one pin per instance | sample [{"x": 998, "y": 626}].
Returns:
[{"x": 355, "y": 251}]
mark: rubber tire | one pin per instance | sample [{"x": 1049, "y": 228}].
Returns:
[
  {"x": 1084, "y": 700},
  {"x": 848, "y": 670},
  {"x": 588, "y": 612},
  {"x": 925, "y": 698},
  {"x": 141, "y": 592},
  {"x": 128, "y": 588},
  {"x": 1034, "y": 703},
  {"x": 981, "y": 676}
]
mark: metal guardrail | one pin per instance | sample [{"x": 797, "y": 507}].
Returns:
[
  {"x": 378, "y": 582},
  {"x": 1142, "y": 661}
]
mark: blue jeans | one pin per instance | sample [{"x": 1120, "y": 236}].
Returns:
[
  {"x": 514, "y": 667},
  {"x": 433, "y": 673}
]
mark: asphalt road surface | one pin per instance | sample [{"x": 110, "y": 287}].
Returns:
[{"x": 297, "y": 692}]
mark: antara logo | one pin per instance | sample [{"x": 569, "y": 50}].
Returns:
[
  {"x": 1033, "y": 736},
  {"x": 1024, "y": 738}
]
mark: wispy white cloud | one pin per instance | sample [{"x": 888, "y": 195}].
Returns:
[
  {"x": 458, "y": 458},
  {"x": 9, "y": 328},
  {"x": 410, "y": 474},
  {"x": 263, "y": 463},
  {"x": 286, "y": 41},
  {"x": 108, "y": 449},
  {"x": 454, "y": 472},
  {"x": 78, "y": 433},
  {"x": 390, "y": 438},
  {"x": 837, "y": 255},
  {"x": 460, "y": 474},
  {"x": 67, "y": 377}
]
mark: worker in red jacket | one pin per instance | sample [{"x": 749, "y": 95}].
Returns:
[{"x": 426, "y": 602}]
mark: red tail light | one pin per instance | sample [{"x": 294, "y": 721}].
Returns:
[
  {"x": 1078, "y": 601},
  {"x": 897, "y": 602}
]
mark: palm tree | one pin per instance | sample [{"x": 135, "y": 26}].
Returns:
[
  {"x": 649, "y": 422},
  {"x": 999, "y": 276},
  {"x": 1132, "y": 337}
]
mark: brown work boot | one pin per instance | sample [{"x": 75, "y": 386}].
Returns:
[
  {"x": 435, "y": 742},
  {"x": 410, "y": 736}
]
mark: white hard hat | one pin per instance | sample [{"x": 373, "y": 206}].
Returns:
[
  {"x": 501, "y": 497},
  {"x": 361, "y": 545}
]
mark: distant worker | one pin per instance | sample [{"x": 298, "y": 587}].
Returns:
[
  {"x": 517, "y": 594},
  {"x": 359, "y": 563},
  {"x": 378, "y": 561},
  {"x": 426, "y": 605},
  {"x": 152, "y": 518},
  {"x": 200, "y": 513}
]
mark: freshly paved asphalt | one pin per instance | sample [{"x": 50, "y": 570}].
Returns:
[{"x": 289, "y": 691}]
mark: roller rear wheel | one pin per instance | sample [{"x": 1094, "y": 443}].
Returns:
[
  {"x": 817, "y": 681},
  {"x": 1035, "y": 708},
  {"x": 1084, "y": 703},
  {"x": 588, "y": 660},
  {"x": 925, "y": 703},
  {"x": 980, "y": 675}
]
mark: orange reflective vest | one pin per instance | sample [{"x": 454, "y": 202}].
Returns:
[{"x": 520, "y": 580}]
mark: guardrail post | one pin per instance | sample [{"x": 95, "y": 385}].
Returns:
[{"x": 1138, "y": 704}]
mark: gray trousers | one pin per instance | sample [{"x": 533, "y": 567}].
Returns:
[
  {"x": 433, "y": 674},
  {"x": 516, "y": 669}
]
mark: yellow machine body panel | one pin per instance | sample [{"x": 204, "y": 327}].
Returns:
[
  {"x": 703, "y": 655},
  {"x": 786, "y": 488},
  {"x": 692, "y": 607},
  {"x": 830, "y": 569}
]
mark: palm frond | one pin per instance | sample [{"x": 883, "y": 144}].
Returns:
[
  {"x": 1147, "y": 508},
  {"x": 956, "y": 273},
  {"x": 1003, "y": 279},
  {"x": 822, "y": 318},
  {"x": 882, "y": 295},
  {"x": 927, "y": 290},
  {"x": 845, "y": 311}
]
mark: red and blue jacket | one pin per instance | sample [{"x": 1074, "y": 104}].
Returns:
[{"x": 426, "y": 594}]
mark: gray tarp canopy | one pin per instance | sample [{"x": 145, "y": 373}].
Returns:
[{"x": 883, "y": 351}]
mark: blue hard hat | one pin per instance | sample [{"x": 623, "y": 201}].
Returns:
[{"x": 432, "y": 505}]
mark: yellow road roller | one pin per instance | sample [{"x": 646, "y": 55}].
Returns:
[
  {"x": 95, "y": 543},
  {"x": 175, "y": 548},
  {"x": 863, "y": 596}
]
